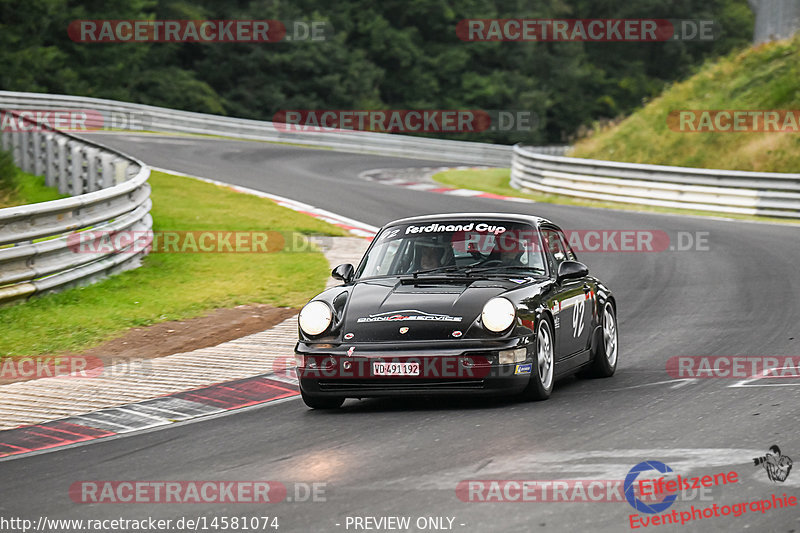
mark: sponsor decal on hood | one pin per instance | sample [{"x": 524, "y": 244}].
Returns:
[{"x": 408, "y": 315}]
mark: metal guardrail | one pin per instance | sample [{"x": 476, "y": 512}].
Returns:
[
  {"x": 724, "y": 191},
  {"x": 161, "y": 119},
  {"x": 42, "y": 248},
  {"x": 536, "y": 168}
]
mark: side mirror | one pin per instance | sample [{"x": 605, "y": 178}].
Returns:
[
  {"x": 571, "y": 270},
  {"x": 344, "y": 272}
]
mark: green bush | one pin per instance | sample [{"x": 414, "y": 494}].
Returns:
[{"x": 7, "y": 171}]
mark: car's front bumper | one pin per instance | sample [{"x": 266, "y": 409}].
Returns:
[
  {"x": 444, "y": 370},
  {"x": 369, "y": 388}
]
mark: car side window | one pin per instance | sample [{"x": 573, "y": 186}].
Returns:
[
  {"x": 381, "y": 259},
  {"x": 567, "y": 248},
  {"x": 557, "y": 250},
  {"x": 388, "y": 257}
]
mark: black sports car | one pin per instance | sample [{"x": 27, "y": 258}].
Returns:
[{"x": 457, "y": 303}]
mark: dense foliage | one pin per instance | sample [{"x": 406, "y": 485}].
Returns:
[{"x": 390, "y": 54}]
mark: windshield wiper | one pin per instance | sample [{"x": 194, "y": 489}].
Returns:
[
  {"x": 504, "y": 267},
  {"x": 451, "y": 268},
  {"x": 468, "y": 271}
]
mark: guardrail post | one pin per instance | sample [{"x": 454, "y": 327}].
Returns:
[
  {"x": 93, "y": 177},
  {"x": 62, "y": 169},
  {"x": 39, "y": 154},
  {"x": 5, "y": 140},
  {"x": 50, "y": 155},
  {"x": 132, "y": 170},
  {"x": 76, "y": 184},
  {"x": 107, "y": 169},
  {"x": 27, "y": 152},
  {"x": 120, "y": 170},
  {"x": 16, "y": 147}
]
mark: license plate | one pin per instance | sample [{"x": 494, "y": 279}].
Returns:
[{"x": 395, "y": 369}]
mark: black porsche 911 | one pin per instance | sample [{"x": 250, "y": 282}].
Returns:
[{"x": 453, "y": 304}]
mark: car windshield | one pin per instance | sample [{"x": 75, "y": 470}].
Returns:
[{"x": 454, "y": 248}]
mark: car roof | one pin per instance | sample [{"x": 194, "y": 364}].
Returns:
[{"x": 509, "y": 217}]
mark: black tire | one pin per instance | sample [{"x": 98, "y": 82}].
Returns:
[
  {"x": 543, "y": 373},
  {"x": 322, "y": 402},
  {"x": 604, "y": 363}
]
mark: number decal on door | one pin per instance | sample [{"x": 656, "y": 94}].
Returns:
[{"x": 577, "y": 319}]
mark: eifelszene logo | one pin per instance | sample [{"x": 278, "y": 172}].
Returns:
[{"x": 630, "y": 484}]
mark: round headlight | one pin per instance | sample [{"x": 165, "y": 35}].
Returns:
[
  {"x": 315, "y": 318},
  {"x": 498, "y": 314}
]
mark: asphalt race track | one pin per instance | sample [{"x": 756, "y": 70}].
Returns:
[{"x": 379, "y": 458}]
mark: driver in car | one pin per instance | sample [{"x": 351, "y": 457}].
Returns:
[
  {"x": 507, "y": 250},
  {"x": 428, "y": 255}
]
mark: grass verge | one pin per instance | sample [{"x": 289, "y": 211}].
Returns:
[
  {"x": 759, "y": 78},
  {"x": 175, "y": 286},
  {"x": 20, "y": 188},
  {"x": 496, "y": 181}
]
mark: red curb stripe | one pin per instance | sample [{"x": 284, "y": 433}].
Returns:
[
  {"x": 332, "y": 221},
  {"x": 256, "y": 390},
  {"x": 29, "y": 438},
  {"x": 14, "y": 449},
  {"x": 226, "y": 396},
  {"x": 56, "y": 433},
  {"x": 58, "y": 445},
  {"x": 239, "y": 393},
  {"x": 497, "y": 196},
  {"x": 41, "y": 431},
  {"x": 353, "y": 228},
  {"x": 275, "y": 383},
  {"x": 419, "y": 185},
  {"x": 257, "y": 402},
  {"x": 75, "y": 429},
  {"x": 33, "y": 438}
]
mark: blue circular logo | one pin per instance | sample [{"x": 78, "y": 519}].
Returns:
[{"x": 630, "y": 483}]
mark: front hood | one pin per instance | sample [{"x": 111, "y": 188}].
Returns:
[{"x": 381, "y": 310}]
